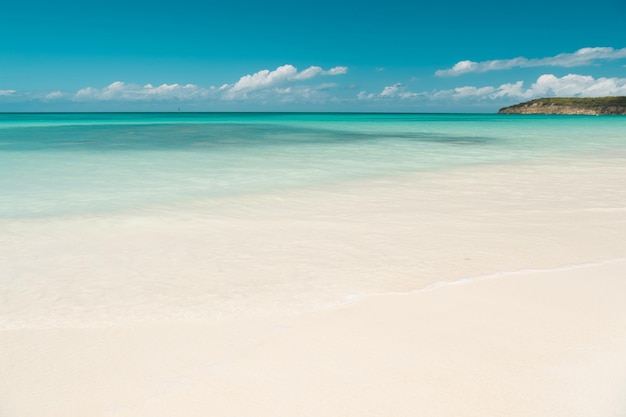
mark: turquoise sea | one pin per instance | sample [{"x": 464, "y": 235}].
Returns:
[{"x": 89, "y": 163}]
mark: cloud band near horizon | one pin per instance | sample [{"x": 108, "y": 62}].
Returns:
[
  {"x": 546, "y": 85},
  {"x": 286, "y": 84},
  {"x": 283, "y": 80}
]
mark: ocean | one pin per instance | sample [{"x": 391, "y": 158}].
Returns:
[
  {"x": 82, "y": 164},
  {"x": 121, "y": 216}
]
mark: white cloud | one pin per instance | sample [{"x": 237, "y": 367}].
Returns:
[
  {"x": 364, "y": 95},
  {"x": 120, "y": 91},
  {"x": 470, "y": 91},
  {"x": 309, "y": 73},
  {"x": 397, "y": 90},
  {"x": 583, "y": 56},
  {"x": 288, "y": 94},
  {"x": 391, "y": 90},
  {"x": 512, "y": 90},
  {"x": 579, "y": 86},
  {"x": 55, "y": 95},
  {"x": 266, "y": 79},
  {"x": 337, "y": 71},
  {"x": 547, "y": 85},
  {"x": 285, "y": 83}
]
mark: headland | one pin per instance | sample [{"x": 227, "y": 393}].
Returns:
[{"x": 573, "y": 105}]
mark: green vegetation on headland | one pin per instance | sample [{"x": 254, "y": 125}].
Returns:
[{"x": 572, "y": 105}]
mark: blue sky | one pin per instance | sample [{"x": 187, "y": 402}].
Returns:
[{"x": 326, "y": 55}]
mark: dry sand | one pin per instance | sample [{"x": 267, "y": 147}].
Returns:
[
  {"x": 548, "y": 343},
  {"x": 548, "y": 340}
]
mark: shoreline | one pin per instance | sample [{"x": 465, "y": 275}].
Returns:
[{"x": 433, "y": 328}]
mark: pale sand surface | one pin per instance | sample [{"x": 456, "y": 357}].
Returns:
[
  {"x": 283, "y": 305},
  {"x": 530, "y": 344}
]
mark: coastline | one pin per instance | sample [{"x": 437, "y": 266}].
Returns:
[{"x": 593, "y": 106}]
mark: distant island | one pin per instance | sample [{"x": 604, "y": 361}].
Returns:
[{"x": 560, "y": 105}]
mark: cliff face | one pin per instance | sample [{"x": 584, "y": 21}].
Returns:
[{"x": 589, "y": 106}]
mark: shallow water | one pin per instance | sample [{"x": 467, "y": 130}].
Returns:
[{"x": 67, "y": 164}]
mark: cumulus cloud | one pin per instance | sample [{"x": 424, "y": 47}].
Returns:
[
  {"x": 55, "y": 95},
  {"x": 397, "y": 90},
  {"x": 547, "y": 85},
  {"x": 266, "y": 79},
  {"x": 278, "y": 83},
  {"x": 309, "y": 73},
  {"x": 337, "y": 71},
  {"x": 391, "y": 90},
  {"x": 120, "y": 91},
  {"x": 283, "y": 84},
  {"x": 394, "y": 91},
  {"x": 583, "y": 56},
  {"x": 289, "y": 94},
  {"x": 579, "y": 85},
  {"x": 364, "y": 95},
  {"x": 470, "y": 91}
]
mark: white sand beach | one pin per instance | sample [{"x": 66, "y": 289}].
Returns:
[{"x": 496, "y": 291}]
